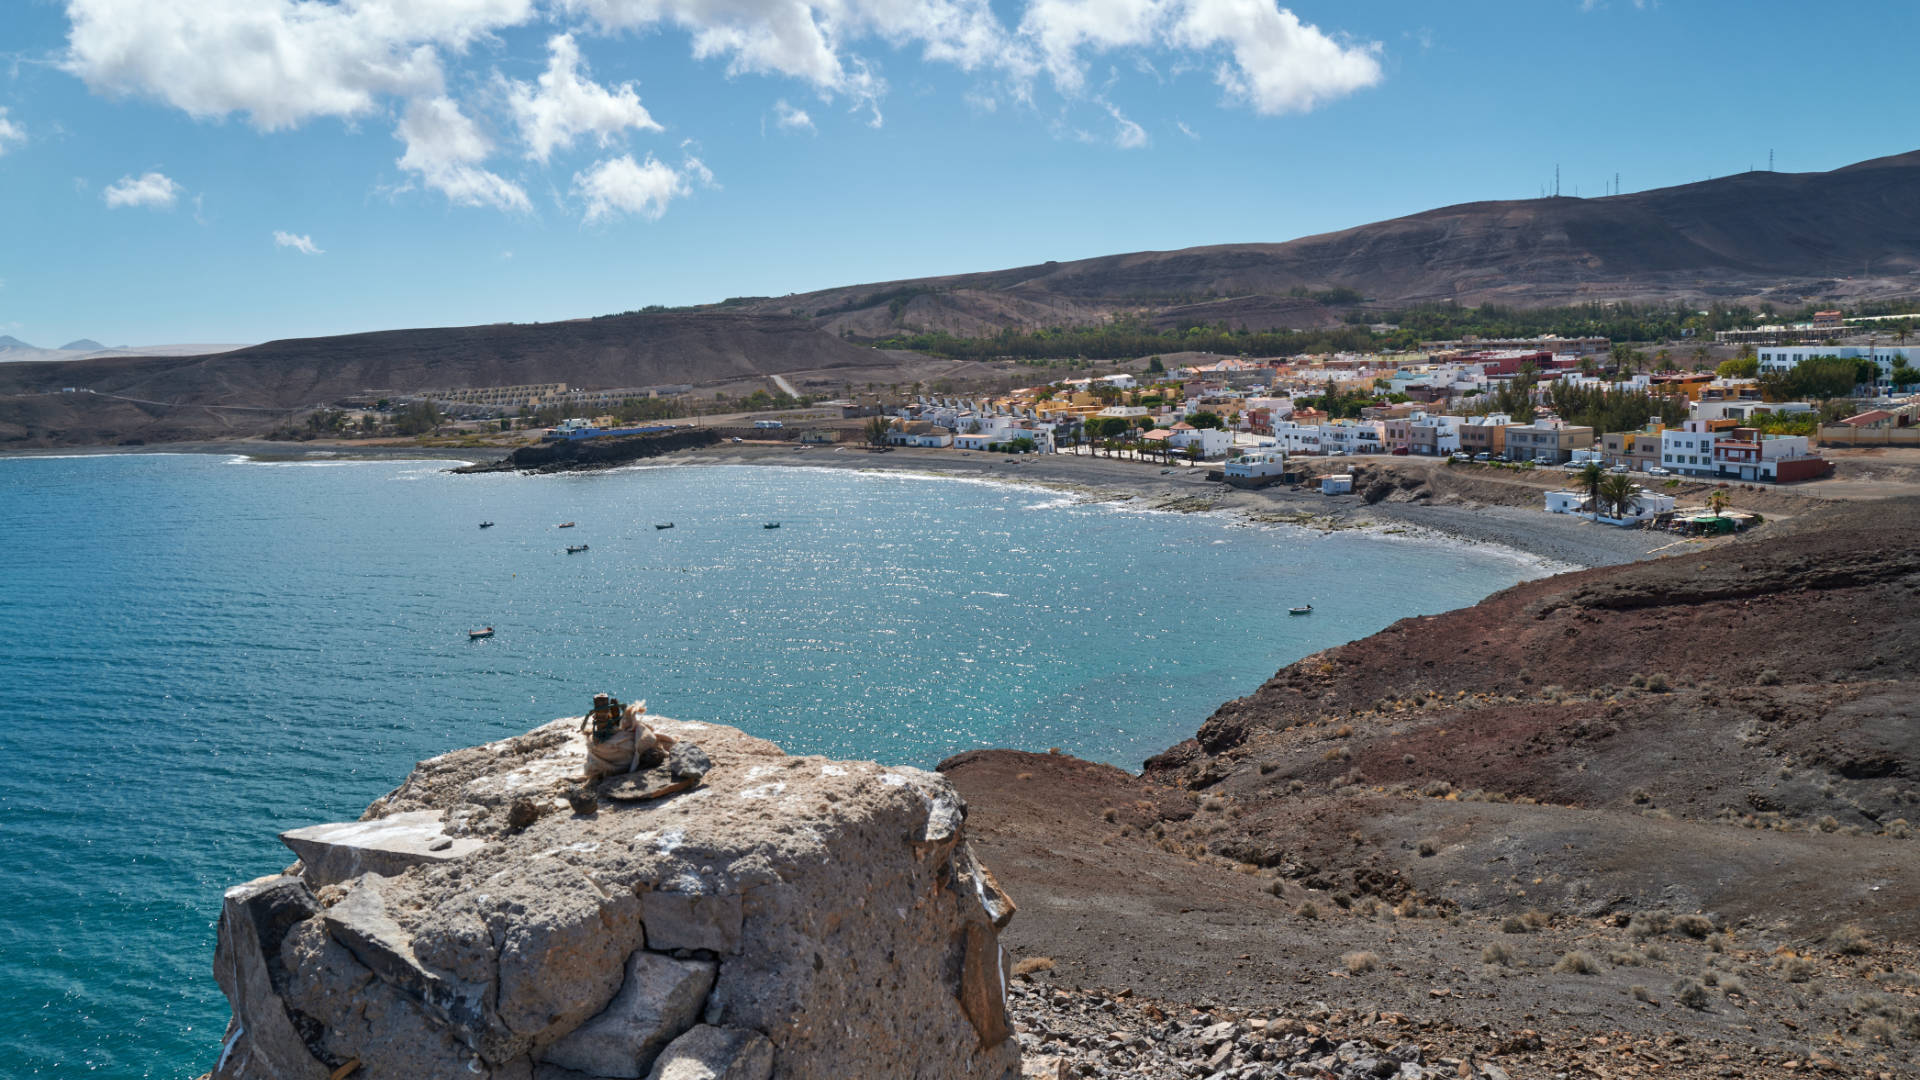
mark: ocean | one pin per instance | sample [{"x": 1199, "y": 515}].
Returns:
[{"x": 199, "y": 652}]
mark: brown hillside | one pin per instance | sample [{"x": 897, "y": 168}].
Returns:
[{"x": 1854, "y": 231}]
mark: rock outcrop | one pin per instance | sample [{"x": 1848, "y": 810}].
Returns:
[{"x": 788, "y": 917}]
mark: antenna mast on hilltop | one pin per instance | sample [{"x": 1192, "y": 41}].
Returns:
[
  {"x": 1769, "y": 159},
  {"x": 1616, "y": 183},
  {"x": 1556, "y": 180}
]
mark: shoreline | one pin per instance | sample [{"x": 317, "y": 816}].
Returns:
[{"x": 1553, "y": 543}]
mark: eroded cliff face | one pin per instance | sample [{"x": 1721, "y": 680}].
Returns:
[{"x": 786, "y": 917}]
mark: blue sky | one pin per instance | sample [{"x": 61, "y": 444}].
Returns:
[{"x": 239, "y": 170}]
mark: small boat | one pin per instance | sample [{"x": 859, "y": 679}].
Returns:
[
  {"x": 575, "y": 549},
  {"x": 564, "y": 525},
  {"x": 771, "y": 525},
  {"x": 1304, "y": 609},
  {"x": 486, "y": 524},
  {"x": 476, "y": 635},
  {"x": 668, "y": 525}
]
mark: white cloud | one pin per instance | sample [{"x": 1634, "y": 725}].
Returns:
[
  {"x": 790, "y": 118},
  {"x": 567, "y": 104},
  {"x": 281, "y": 62},
  {"x": 444, "y": 148},
  {"x": 1127, "y": 134},
  {"x": 1278, "y": 63},
  {"x": 298, "y": 242},
  {"x": 9, "y": 131},
  {"x": 150, "y": 189},
  {"x": 619, "y": 186},
  {"x": 1187, "y": 131}
]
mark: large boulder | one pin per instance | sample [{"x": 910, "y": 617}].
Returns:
[{"x": 791, "y": 917}]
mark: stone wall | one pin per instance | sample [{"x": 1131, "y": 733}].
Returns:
[{"x": 788, "y": 917}]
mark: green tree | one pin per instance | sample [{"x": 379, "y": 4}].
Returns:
[
  {"x": 1740, "y": 367},
  {"x": 1155, "y": 367},
  {"x": 1589, "y": 481},
  {"x": 1904, "y": 375},
  {"x": 1205, "y": 419},
  {"x": 877, "y": 429},
  {"x": 1616, "y": 492}
]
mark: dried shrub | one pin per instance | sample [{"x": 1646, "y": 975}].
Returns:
[
  {"x": 1694, "y": 926},
  {"x": 1497, "y": 954},
  {"x": 1626, "y": 958},
  {"x": 1359, "y": 963},
  {"x": 1658, "y": 683},
  {"x": 1850, "y": 940},
  {"x": 1769, "y": 677},
  {"x": 1514, "y": 924},
  {"x": 1690, "y": 993},
  {"x": 1307, "y": 910},
  {"x": 1031, "y": 966},
  {"x": 1577, "y": 963},
  {"x": 1428, "y": 848},
  {"x": 1641, "y": 993}
]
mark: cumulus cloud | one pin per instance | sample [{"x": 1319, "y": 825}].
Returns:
[
  {"x": 281, "y": 62},
  {"x": 10, "y": 132},
  {"x": 444, "y": 147},
  {"x": 298, "y": 242},
  {"x": 1277, "y": 63},
  {"x": 149, "y": 189},
  {"x": 620, "y": 186},
  {"x": 790, "y": 118},
  {"x": 567, "y": 104}
]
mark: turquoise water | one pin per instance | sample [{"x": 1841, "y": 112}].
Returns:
[{"x": 197, "y": 653}]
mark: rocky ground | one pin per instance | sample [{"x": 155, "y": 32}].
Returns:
[{"x": 1638, "y": 812}]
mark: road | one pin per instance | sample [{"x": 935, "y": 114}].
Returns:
[{"x": 784, "y": 386}]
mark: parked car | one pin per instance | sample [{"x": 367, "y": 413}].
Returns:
[
  {"x": 1400, "y": 450},
  {"x": 1658, "y": 471},
  {"x": 1336, "y": 453},
  {"x": 1483, "y": 457},
  {"x": 1461, "y": 457},
  {"x": 1620, "y": 469}
]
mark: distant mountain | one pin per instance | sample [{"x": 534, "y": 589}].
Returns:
[
  {"x": 1851, "y": 233},
  {"x": 83, "y": 345},
  {"x": 8, "y": 342}
]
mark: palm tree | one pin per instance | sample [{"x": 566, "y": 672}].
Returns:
[
  {"x": 1618, "y": 491},
  {"x": 878, "y": 428},
  {"x": 1590, "y": 478},
  {"x": 1717, "y": 500}
]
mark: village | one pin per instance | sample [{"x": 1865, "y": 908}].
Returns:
[{"x": 1526, "y": 405}]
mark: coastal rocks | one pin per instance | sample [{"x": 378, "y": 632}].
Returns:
[
  {"x": 706, "y": 1052},
  {"x": 569, "y": 455},
  {"x": 782, "y": 916},
  {"x": 335, "y": 853}
]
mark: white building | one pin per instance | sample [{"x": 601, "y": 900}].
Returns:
[
  {"x": 1296, "y": 438},
  {"x": 1786, "y": 357},
  {"x": 1212, "y": 442},
  {"x": 1337, "y": 484},
  {"x": 1353, "y": 436},
  {"x": 1688, "y": 448},
  {"x": 1256, "y": 465}
]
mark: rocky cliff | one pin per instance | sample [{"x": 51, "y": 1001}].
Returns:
[{"x": 734, "y": 913}]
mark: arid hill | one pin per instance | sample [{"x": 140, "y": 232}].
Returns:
[
  {"x": 246, "y": 386},
  {"x": 1670, "y": 796},
  {"x": 1854, "y": 231}
]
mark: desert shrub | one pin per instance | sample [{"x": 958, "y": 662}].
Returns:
[
  {"x": 1497, "y": 953},
  {"x": 1850, "y": 940},
  {"x": 1828, "y": 823},
  {"x": 1694, "y": 926},
  {"x": 1877, "y": 1029},
  {"x": 1407, "y": 759},
  {"x": 1638, "y": 682},
  {"x": 1434, "y": 789},
  {"x": 1793, "y": 968},
  {"x": 1646, "y": 924},
  {"x": 1626, "y": 958},
  {"x": 1213, "y": 804},
  {"x": 1537, "y": 919},
  {"x": 1336, "y": 753},
  {"x": 1654, "y": 951},
  {"x": 1658, "y": 683},
  {"x": 1514, "y": 924},
  {"x": 1898, "y": 829},
  {"x": 1577, "y": 963},
  {"x": 1769, "y": 677},
  {"x": 1296, "y": 786},
  {"x": 1110, "y": 814},
  {"x": 1307, "y": 910},
  {"x": 1277, "y": 887},
  {"x": 1024, "y": 776},
  {"x": 1369, "y": 907},
  {"x": 1267, "y": 768},
  {"x": 1359, "y": 963},
  {"x": 1031, "y": 966},
  {"x": 1733, "y": 986},
  {"x": 1690, "y": 993},
  {"x": 1641, "y": 993},
  {"x": 1428, "y": 848},
  {"x": 1719, "y": 942},
  {"x": 1345, "y": 731}
]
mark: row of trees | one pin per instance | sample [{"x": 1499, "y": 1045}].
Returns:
[{"x": 1614, "y": 409}]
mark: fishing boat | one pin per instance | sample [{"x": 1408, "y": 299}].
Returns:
[
  {"x": 575, "y": 549},
  {"x": 771, "y": 525},
  {"x": 486, "y": 524},
  {"x": 564, "y": 525},
  {"x": 668, "y": 525},
  {"x": 476, "y": 635},
  {"x": 1304, "y": 609}
]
